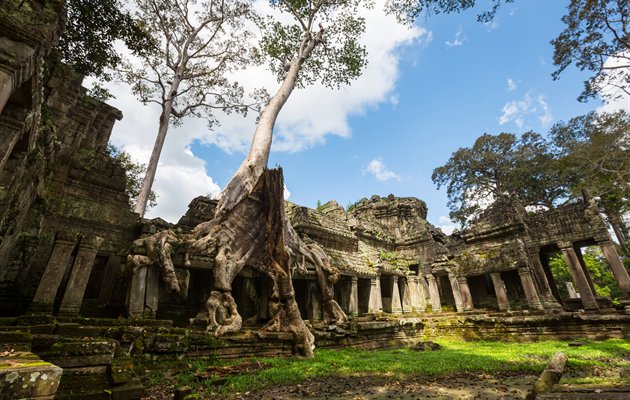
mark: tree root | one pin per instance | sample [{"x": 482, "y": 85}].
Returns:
[
  {"x": 158, "y": 253},
  {"x": 254, "y": 232}
]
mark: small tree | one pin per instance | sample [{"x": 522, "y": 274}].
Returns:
[
  {"x": 197, "y": 43},
  {"x": 595, "y": 32}
]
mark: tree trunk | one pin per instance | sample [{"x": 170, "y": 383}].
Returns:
[
  {"x": 253, "y": 166},
  {"x": 250, "y": 228},
  {"x": 149, "y": 176}
]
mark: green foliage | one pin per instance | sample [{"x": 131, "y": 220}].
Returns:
[
  {"x": 390, "y": 257},
  {"x": 336, "y": 58},
  {"x": 594, "y": 151},
  {"x": 319, "y": 206},
  {"x": 500, "y": 167},
  {"x": 351, "y": 205},
  {"x": 134, "y": 171},
  {"x": 409, "y": 10},
  {"x": 192, "y": 53},
  {"x": 92, "y": 29},
  {"x": 594, "y": 31},
  {"x": 598, "y": 269}
]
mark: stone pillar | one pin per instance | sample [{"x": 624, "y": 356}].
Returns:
[
  {"x": 457, "y": 295},
  {"x": 434, "y": 292},
  {"x": 315, "y": 302},
  {"x": 578, "y": 275},
  {"x": 405, "y": 289},
  {"x": 137, "y": 292},
  {"x": 499, "y": 289},
  {"x": 81, "y": 270},
  {"x": 548, "y": 299},
  {"x": 6, "y": 88},
  {"x": 153, "y": 292},
  {"x": 44, "y": 298},
  {"x": 374, "y": 305},
  {"x": 467, "y": 301},
  {"x": 571, "y": 289},
  {"x": 422, "y": 296},
  {"x": 618, "y": 269},
  {"x": 353, "y": 303},
  {"x": 396, "y": 303},
  {"x": 530, "y": 289}
]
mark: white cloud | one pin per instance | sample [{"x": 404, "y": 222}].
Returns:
[
  {"x": 518, "y": 110},
  {"x": 544, "y": 112},
  {"x": 308, "y": 117},
  {"x": 377, "y": 168},
  {"x": 615, "y": 98},
  {"x": 511, "y": 85},
  {"x": 447, "y": 225},
  {"x": 459, "y": 39}
]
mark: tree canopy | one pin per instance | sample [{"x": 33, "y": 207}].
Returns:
[
  {"x": 197, "y": 44},
  {"x": 595, "y": 153},
  {"x": 596, "y": 33},
  {"x": 589, "y": 152},
  {"x": 92, "y": 29},
  {"x": 498, "y": 167}
]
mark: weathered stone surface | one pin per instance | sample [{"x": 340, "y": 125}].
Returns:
[
  {"x": 25, "y": 376},
  {"x": 81, "y": 353}
]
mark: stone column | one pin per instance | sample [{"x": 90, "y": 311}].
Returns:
[
  {"x": 499, "y": 289},
  {"x": 6, "y": 88},
  {"x": 353, "y": 303},
  {"x": 406, "y": 289},
  {"x": 434, "y": 292},
  {"x": 457, "y": 295},
  {"x": 467, "y": 300},
  {"x": 396, "y": 303},
  {"x": 44, "y": 298},
  {"x": 153, "y": 292},
  {"x": 137, "y": 292},
  {"x": 315, "y": 303},
  {"x": 530, "y": 289},
  {"x": 548, "y": 299},
  {"x": 422, "y": 296},
  {"x": 618, "y": 269},
  {"x": 81, "y": 270},
  {"x": 578, "y": 275},
  {"x": 374, "y": 305}
]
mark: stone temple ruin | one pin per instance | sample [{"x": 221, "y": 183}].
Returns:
[{"x": 79, "y": 304}]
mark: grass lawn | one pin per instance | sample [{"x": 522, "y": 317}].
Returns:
[{"x": 587, "y": 363}]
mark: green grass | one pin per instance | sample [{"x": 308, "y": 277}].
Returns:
[{"x": 453, "y": 358}]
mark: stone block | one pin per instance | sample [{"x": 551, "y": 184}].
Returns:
[
  {"x": 121, "y": 371},
  {"x": 25, "y": 376},
  {"x": 16, "y": 340},
  {"x": 131, "y": 390},
  {"x": 80, "y": 353}
]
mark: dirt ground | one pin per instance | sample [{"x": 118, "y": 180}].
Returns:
[
  {"x": 462, "y": 387},
  {"x": 382, "y": 388}
]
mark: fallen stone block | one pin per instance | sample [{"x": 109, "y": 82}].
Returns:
[{"x": 24, "y": 376}]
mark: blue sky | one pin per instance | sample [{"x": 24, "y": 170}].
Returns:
[{"x": 439, "y": 87}]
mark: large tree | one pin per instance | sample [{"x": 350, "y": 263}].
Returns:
[
  {"x": 595, "y": 151},
  {"x": 305, "y": 42},
  {"x": 596, "y": 33},
  {"x": 501, "y": 167},
  {"x": 197, "y": 44}
]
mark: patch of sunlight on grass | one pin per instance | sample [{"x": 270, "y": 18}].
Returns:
[{"x": 454, "y": 357}]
